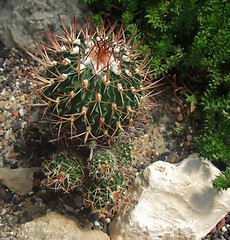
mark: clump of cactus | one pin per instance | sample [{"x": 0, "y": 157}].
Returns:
[
  {"x": 124, "y": 152},
  {"x": 110, "y": 178},
  {"x": 95, "y": 82},
  {"x": 108, "y": 184},
  {"x": 64, "y": 172},
  {"x": 94, "y": 85}
]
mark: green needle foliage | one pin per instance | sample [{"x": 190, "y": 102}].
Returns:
[{"x": 223, "y": 182}]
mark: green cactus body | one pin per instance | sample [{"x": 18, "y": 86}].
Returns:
[
  {"x": 94, "y": 83},
  {"x": 64, "y": 173},
  {"x": 124, "y": 153},
  {"x": 103, "y": 165},
  {"x": 107, "y": 196},
  {"x": 106, "y": 163}
]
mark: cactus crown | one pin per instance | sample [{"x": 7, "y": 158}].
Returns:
[{"x": 95, "y": 81}]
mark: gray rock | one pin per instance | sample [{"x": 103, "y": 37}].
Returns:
[
  {"x": 18, "y": 180},
  {"x": 23, "y": 22}
]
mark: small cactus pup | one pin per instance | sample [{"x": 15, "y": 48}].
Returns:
[
  {"x": 64, "y": 173},
  {"x": 95, "y": 82},
  {"x": 111, "y": 176},
  {"x": 106, "y": 163},
  {"x": 107, "y": 196}
]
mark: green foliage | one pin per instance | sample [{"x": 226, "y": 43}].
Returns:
[
  {"x": 223, "y": 181},
  {"x": 216, "y": 126},
  {"x": 198, "y": 29},
  {"x": 214, "y": 140},
  {"x": 127, "y": 18},
  {"x": 97, "y": 20},
  {"x": 111, "y": 5}
]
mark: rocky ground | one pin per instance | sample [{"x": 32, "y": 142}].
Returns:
[{"x": 22, "y": 144}]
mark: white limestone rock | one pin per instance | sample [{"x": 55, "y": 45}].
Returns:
[
  {"x": 24, "y": 22},
  {"x": 173, "y": 202},
  {"x": 19, "y": 180},
  {"x": 54, "y": 226}
]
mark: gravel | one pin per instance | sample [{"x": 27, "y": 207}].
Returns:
[{"x": 24, "y": 145}]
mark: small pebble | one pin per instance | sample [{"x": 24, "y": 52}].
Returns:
[
  {"x": 22, "y": 98},
  {"x": 21, "y": 111},
  {"x": 179, "y": 117},
  {"x": 149, "y": 153},
  {"x": 187, "y": 144},
  {"x": 4, "y": 211},
  {"x": 2, "y": 118},
  {"x": 7, "y": 134},
  {"x": 220, "y": 224},
  {"x": 2, "y": 103},
  {"x": 107, "y": 220},
  {"x": 189, "y": 137},
  {"x": 96, "y": 223},
  {"x": 3, "y": 93},
  {"x": 12, "y": 99},
  {"x": 37, "y": 182},
  {"x": 15, "y": 113}
]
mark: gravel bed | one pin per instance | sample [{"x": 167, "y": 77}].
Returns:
[{"x": 24, "y": 145}]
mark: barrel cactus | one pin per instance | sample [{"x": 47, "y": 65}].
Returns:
[
  {"x": 95, "y": 82},
  {"x": 64, "y": 172},
  {"x": 108, "y": 196},
  {"x": 106, "y": 163}
]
